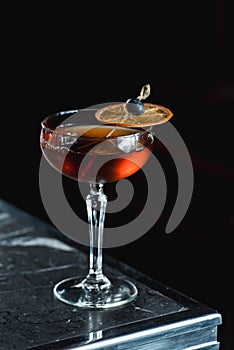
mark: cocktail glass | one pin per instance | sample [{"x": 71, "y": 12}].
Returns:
[{"x": 81, "y": 148}]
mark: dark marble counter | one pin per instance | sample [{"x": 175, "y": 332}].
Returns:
[{"x": 34, "y": 256}]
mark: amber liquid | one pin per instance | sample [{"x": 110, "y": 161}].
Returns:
[{"x": 88, "y": 154}]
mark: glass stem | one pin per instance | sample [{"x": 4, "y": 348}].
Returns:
[{"x": 96, "y": 202}]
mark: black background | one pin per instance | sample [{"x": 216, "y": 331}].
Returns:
[{"x": 68, "y": 57}]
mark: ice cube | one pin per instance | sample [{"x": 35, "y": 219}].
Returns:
[
  {"x": 127, "y": 144},
  {"x": 67, "y": 140}
]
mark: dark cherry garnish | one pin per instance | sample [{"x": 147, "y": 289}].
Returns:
[{"x": 135, "y": 106}]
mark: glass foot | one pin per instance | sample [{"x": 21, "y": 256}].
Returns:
[{"x": 73, "y": 292}]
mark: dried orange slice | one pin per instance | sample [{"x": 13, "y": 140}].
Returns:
[{"x": 117, "y": 114}]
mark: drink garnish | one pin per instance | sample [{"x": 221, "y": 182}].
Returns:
[
  {"x": 135, "y": 106},
  {"x": 134, "y": 112}
]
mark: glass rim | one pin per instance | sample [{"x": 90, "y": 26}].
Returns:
[{"x": 139, "y": 131}]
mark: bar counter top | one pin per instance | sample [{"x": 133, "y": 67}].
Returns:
[{"x": 34, "y": 256}]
